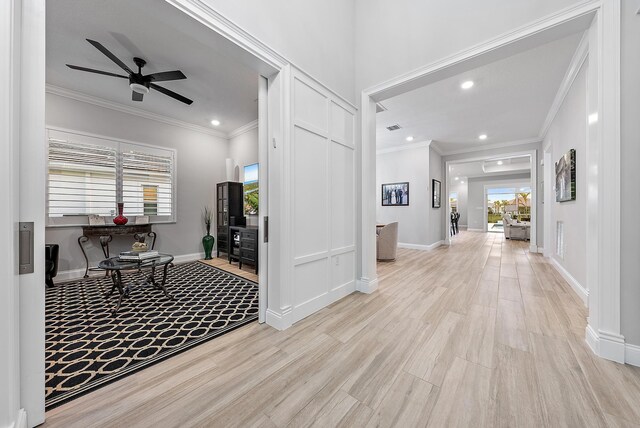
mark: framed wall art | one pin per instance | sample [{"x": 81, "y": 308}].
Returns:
[
  {"x": 436, "y": 193},
  {"x": 395, "y": 194}
]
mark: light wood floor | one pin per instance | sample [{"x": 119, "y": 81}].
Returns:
[
  {"x": 247, "y": 272},
  {"x": 479, "y": 334}
]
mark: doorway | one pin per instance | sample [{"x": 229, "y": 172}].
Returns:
[{"x": 33, "y": 202}]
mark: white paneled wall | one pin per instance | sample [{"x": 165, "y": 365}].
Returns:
[{"x": 322, "y": 197}]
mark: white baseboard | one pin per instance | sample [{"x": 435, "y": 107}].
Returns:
[
  {"x": 367, "y": 285},
  {"x": 67, "y": 275},
  {"x": 541, "y": 250},
  {"x": 21, "y": 420},
  {"x": 419, "y": 246},
  {"x": 279, "y": 321},
  {"x": 632, "y": 354},
  {"x": 612, "y": 347},
  {"x": 591, "y": 337},
  {"x": 474, "y": 230},
  {"x": 582, "y": 292},
  {"x": 462, "y": 226}
]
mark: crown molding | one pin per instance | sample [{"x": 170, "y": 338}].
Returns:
[
  {"x": 436, "y": 148},
  {"x": 90, "y": 99},
  {"x": 578, "y": 59},
  {"x": 492, "y": 146},
  {"x": 243, "y": 129},
  {"x": 419, "y": 145}
]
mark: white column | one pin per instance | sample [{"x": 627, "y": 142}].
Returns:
[{"x": 368, "y": 280}]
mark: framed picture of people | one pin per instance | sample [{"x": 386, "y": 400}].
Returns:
[
  {"x": 395, "y": 194},
  {"x": 436, "y": 191},
  {"x": 566, "y": 177}
]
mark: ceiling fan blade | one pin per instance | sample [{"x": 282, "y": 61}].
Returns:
[
  {"x": 91, "y": 70},
  {"x": 167, "y": 75},
  {"x": 111, "y": 56},
  {"x": 171, "y": 94},
  {"x": 136, "y": 96}
]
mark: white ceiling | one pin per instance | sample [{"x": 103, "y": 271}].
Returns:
[
  {"x": 222, "y": 79},
  {"x": 509, "y": 102},
  {"x": 494, "y": 166}
]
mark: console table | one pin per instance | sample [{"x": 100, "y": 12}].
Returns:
[{"x": 105, "y": 234}]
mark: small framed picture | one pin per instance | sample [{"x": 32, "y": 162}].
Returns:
[
  {"x": 436, "y": 190},
  {"x": 395, "y": 194},
  {"x": 96, "y": 220}
]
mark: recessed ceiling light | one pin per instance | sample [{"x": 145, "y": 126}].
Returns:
[
  {"x": 457, "y": 178},
  {"x": 215, "y": 122},
  {"x": 462, "y": 182},
  {"x": 483, "y": 136},
  {"x": 467, "y": 85},
  {"x": 410, "y": 138},
  {"x": 499, "y": 162}
]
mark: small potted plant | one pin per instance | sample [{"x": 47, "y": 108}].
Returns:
[{"x": 208, "y": 240}]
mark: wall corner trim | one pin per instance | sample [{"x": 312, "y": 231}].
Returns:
[
  {"x": 367, "y": 285},
  {"x": 279, "y": 321},
  {"x": 21, "y": 420},
  {"x": 582, "y": 292},
  {"x": 612, "y": 346}
]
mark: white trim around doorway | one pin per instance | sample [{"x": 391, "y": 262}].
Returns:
[{"x": 603, "y": 275}]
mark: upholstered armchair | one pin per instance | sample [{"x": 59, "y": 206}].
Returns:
[
  {"x": 387, "y": 242},
  {"x": 513, "y": 229}
]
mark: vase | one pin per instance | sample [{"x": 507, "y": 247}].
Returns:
[
  {"x": 120, "y": 220},
  {"x": 207, "y": 243}
]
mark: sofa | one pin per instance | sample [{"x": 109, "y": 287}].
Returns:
[
  {"x": 387, "y": 241},
  {"x": 515, "y": 230}
]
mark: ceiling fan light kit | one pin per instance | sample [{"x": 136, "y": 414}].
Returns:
[{"x": 138, "y": 83}]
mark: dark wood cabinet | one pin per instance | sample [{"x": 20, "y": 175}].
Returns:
[
  {"x": 245, "y": 245},
  {"x": 229, "y": 212}
]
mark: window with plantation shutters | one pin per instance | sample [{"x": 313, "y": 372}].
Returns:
[
  {"x": 82, "y": 179},
  {"x": 147, "y": 183},
  {"x": 87, "y": 175}
]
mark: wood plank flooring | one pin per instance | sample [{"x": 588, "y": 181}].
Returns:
[
  {"x": 479, "y": 334},
  {"x": 247, "y": 272}
]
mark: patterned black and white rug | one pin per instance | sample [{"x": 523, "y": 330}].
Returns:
[{"x": 87, "y": 347}]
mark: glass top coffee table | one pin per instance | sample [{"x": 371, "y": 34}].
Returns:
[{"x": 114, "y": 266}]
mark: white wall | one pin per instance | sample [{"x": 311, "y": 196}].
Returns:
[
  {"x": 463, "y": 207},
  {"x": 418, "y": 224},
  {"x": 435, "y": 226},
  {"x": 243, "y": 149},
  {"x": 412, "y": 166},
  {"x": 569, "y": 131},
  {"x": 316, "y": 36},
  {"x": 476, "y": 196},
  {"x": 396, "y": 37},
  {"x": 200, "y": 164},
  {"x": 630, "y": 173}
]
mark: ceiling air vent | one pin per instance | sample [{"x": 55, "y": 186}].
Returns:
[{"x": 393, "y": 127}]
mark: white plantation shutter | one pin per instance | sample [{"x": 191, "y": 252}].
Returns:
[
  {"x": 147, "y": 182},
  {"x": 88, "y": 174},
  {"x": 82, "y": 179}
]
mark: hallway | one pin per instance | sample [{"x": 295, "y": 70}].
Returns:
[{"x": 481, "y": 333}]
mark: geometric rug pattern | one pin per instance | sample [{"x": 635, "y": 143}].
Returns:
[{"x": 87, "y": 346}]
